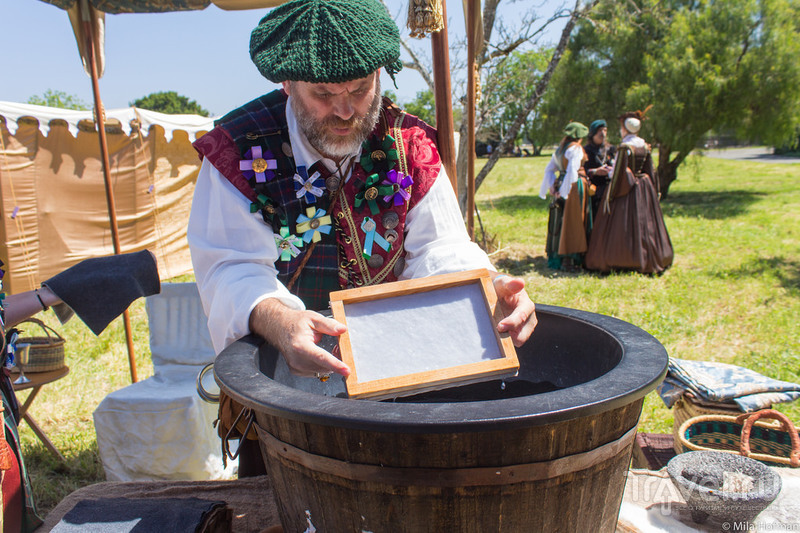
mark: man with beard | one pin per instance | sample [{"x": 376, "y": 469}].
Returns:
[{"x": 339, "y": 188}]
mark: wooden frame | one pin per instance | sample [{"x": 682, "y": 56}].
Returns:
[{"x": 493, "y": 357}]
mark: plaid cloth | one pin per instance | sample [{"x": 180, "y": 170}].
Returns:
[
  {"x": 262, "y": 122},
  {"x": 724, "y": 383}
]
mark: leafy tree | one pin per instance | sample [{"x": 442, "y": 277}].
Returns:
[
  {"x": 423, "y": 106},
  {"x": 702, "y": 64},
  {"x": 171, "y": 103},
  {"x": 60, "y": 99},
  {"x": 508, "y": 86},
  {"x": 501, "y": 39},
  {"x": 391, "y": 95}
]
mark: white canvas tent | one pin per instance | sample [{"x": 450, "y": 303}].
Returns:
[{"x": 52, "y": 192}]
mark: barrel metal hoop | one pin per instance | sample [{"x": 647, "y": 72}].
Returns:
[{"x": 445, "y": 477}]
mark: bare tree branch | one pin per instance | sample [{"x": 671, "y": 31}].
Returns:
[
  {"x": 417, "y": 65},
  {"x": 533, "y": 102}
]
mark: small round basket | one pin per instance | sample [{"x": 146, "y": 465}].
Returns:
[
  {"x": 46, "y": 352},
  {"x": 747, "y": 434}
]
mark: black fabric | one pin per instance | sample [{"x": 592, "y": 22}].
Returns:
[
  {"x": 597, "y": 156},
  {"x": 144, "y": 515},
  {"x": 101, "y": 288}
]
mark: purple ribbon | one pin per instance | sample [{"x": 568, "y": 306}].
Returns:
[
  {"x": 258, "y": 164},
  {"x": 399, "y": 182}
]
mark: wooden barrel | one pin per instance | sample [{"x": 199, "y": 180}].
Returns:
[{"x": 554, "y": 461}]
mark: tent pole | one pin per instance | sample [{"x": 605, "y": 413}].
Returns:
[
  {"x": 443, "y": 97},
  {"x": 112, "y": 210},
  {"x": 471, "y": 89}
]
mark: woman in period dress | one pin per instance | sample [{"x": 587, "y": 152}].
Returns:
[
  {"x": 599, "y": 160},
  {"x": 629, "y": 231},
  {"x": 565, "y": 181}
]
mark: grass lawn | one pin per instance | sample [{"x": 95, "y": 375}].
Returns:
[{"x": 732, "y": 295}]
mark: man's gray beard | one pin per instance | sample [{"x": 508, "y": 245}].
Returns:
[{"x": 334, "y": 146}]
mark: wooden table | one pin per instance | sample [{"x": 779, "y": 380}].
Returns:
[{"x": 37, "y": 381}]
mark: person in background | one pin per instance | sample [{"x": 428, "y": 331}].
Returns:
[
  {"x": 565, "y": 181},
  {"x": 599, "y": 160},
  {"x": 629, "y": 231}
]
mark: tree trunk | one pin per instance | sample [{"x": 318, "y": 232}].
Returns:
[{"x": 667, "y": 170}]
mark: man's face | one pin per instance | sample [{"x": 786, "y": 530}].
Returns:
[{"x": 336, "y": 117}]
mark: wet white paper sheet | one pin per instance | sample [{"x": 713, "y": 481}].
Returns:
[{"x": 419, "y": 332}]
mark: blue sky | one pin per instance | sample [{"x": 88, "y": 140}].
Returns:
[{"x": 200, "y": 54}]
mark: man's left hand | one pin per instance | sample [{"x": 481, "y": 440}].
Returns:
[{"x": 517, "y": 306}]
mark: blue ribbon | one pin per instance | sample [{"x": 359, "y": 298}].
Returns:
[{"x": 372, "y": 237}]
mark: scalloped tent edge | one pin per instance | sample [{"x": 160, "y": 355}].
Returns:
[{"x": 128, "y": 119}]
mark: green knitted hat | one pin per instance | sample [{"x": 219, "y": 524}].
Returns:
[
  {"x": 325, "y": 41},
  {"x": 576, "y": 130}
]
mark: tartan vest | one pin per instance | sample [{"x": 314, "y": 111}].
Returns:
[{"x": 365, "y": 244}]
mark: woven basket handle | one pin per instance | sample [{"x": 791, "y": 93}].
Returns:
[
  {"x": 47, "y": 329},
  {"x": 750, "y": 418}
]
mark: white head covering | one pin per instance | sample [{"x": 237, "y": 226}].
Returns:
[{"x": 632, "y": 124}]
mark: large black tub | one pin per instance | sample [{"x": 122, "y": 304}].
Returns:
[{"x": 547, "y": 450}]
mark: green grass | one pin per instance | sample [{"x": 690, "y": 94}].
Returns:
[
  {"x": 732, "y": 295},
  {"x": 733, "y": 292}
]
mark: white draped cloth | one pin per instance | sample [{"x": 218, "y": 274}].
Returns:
[
  {"x": 234, "y": 252},
  {"x": 574, "y": 156}
]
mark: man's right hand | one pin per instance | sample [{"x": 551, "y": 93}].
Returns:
[{"x": 296, "y": 334}]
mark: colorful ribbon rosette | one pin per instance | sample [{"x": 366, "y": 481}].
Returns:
[
  {"x": 307, "y": 187},
  {"x": 378, "y": 156},
  {"x": 370, "y": 192},
  {"x": 398, "y": 182},
  {"x": 287, "y": 244},
  {"x": 258, "y": 163},
  {"x": 271, "y": 212},
  {"x": 314, "y": 222},
  {"x": 368, "y": 226}
]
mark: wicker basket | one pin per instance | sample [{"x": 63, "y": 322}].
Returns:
[
  {"x": 777, "y": 445},
  {"x": 46, "y": 352},
  {"x": 685, "y": 408}
]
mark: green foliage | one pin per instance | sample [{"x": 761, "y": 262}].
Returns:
[
  {"x": 702, "y": 64},
  {"x": 171, "y": 103},
  {"x": 507, "y": 89},
  {"x": 423, "y": 106},
  {"x": 60, "y": 99},
  {"x": 391, "y": 95}
]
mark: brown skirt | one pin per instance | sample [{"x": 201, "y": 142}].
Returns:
[{"x": 631, "y": 234}]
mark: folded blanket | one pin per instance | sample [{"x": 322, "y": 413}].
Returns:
[
  {"x": 145, "y": 515},
  {"x": 724, "y": 383}
]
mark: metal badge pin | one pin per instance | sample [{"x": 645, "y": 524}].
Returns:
[
  {"x": 369, "y": 225},
  {"x": 259, "y": 164},
  {"x": 390, "y": 235},
  {"x": 399, "y": 266},
  {"x": 332, "y": 183},
  {"x": 390, "y": 220}
]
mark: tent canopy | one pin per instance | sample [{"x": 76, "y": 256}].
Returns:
[
  {"x": 163, "y": 6},
  {"x": 53, "y": 211}
]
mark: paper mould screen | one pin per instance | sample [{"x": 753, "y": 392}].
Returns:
[{"x": 419, "y": 332}]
